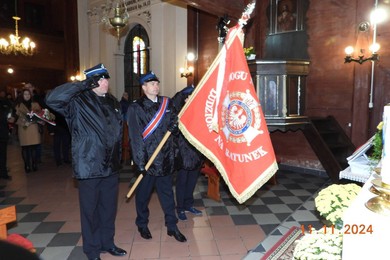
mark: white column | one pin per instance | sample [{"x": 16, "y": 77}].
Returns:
[
  {"x": 169, "y": 45},
  {"x": 119, "y": 76}
]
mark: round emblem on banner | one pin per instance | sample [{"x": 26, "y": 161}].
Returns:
[{"x": 241, "y": 118}]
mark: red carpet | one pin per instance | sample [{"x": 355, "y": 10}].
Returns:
[{"x": 283, "y": 249}]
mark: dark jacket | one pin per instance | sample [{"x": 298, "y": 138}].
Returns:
[
  {"x": 5, "y": 109},
  {"x": 189, "y": 158},
  {"x": 124, "y": 106},
  {"x": 95, "y": 124},
  {"x": 140, "y": 113}
]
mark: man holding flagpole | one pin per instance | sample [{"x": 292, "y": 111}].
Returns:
[
  {"x": 231, "y": 130},
  {"x": 148, "y": 119},
  {"x": 189, "y": 162}
]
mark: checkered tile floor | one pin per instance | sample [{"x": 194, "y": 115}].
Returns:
[
  {"x": 275, "y": 208},
  {"x": 290, "y": 203}
]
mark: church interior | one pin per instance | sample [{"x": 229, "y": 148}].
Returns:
[{"x": 320, "y": 103}]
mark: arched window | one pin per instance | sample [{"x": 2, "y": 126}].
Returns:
[{"x": 136, "y": 60}]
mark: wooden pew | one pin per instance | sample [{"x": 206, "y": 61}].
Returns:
[
  {"x": 7, "y": 215},
  {"x": 214, "y": 178}
]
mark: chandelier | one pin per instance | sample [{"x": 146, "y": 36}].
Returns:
[
  {"x": 15, "y": 46},
  {"x": 116, "y": 16}
]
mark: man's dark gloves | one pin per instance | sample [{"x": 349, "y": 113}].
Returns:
[
  {"x": 174, "y": 127},
  {"x": 92, "y": 82},
  {"x": 141, "y": 170},
  {"x": 188, "y": 90}
]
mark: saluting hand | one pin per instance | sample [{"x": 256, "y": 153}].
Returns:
[{"x": 92, "y": 82}]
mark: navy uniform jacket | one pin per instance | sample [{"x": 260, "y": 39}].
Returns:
[
  {"x": 95, "y": 124},
  {"x": 189, "y": 158},
  {"x": 139, "y": 114}
]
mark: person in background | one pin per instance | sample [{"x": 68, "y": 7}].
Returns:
[
  {"x": 28, "y": 130},
  {"x": 149, "y": 118},
  {"x": 11, "y": 125},
  {"x": 190, "y": 161},
  {"x": 124, "y": 104},
  {"x": 61, "y": 140},
  {"x": 61, "y": 137},
  {"x": 10, "y": 98},
  {"x": 6, "y": 117},
  {"x": 4, "y": 98},
  {"x": 126, "y": 155},
  {"x": 38, "y": 99},
  {"x": 95, "y": 121}
]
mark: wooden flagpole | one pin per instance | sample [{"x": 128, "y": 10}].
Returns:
[{"x": 154, "y": 155}]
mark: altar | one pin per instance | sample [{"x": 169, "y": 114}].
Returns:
[{"x": 365, "y": 233}]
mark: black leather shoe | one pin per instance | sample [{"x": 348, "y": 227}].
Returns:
[
  {"x": 97, "y": 258},
  {"x": 178, "y": 236},
  {"x": 145, "y": 233},
  {"x": 115, "y": 251}
]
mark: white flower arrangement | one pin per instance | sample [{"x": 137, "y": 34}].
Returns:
[
  {"x": 332, "y": 201},
  {"x": 319, "y": 245}
]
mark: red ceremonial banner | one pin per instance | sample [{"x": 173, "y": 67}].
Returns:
[{"x": 223, "y": 119}]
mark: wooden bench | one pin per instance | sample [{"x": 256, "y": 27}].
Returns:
[
  {"x": 214, "y": 177},
  {"x": 7, "y": 215}
]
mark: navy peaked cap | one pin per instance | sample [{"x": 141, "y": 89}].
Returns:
[
  {"x": 150, "y": 76},
  {"x": 188, "y": 90},
  {"x": 98, "y": 70}
]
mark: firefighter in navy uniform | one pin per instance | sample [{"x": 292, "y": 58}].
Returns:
[
  {"x": 94, "y": 118},
  {"x": 189, "y": 162},
  {"x": 149, "y": 118}
]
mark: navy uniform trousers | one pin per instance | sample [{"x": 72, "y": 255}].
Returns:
[
  {"x": 163, "y": 185},
  {"x": 98, "y": 205},
  {"x": 185, "y": 185}
]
